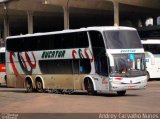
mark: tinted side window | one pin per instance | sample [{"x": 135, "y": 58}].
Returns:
[
  {"x": 2, "y": 58},
  {"x": 48, "y": 42},
  {"x": 85, "y": 66},
  {"x": 56, "y": 66},
  {"x": 96, "y": 39},
  {"x": 75, "y": 40},
  {"x": 14, "y": 44},
  {"x": 153, "y": 48},
  {"x": 65, "y": 66},
  {"x": 76, "y": 65},
  {"x": 81, "y": 66},
  {"x": 99, "y": 51},
  {"x": 97, "y": 43},
  {"x": 101, "y": 65}
]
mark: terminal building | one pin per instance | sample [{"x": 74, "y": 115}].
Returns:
[{"x": 32, "y": 16}]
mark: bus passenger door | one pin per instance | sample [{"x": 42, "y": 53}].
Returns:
[
  {"x": 101, "y": 61},
  {"x": 102, "y": 69}
]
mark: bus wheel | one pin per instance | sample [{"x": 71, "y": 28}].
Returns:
[
  {"x": 39, "y": 86},
  {"x": 89, "y": 87},
  {"x": 29, "y": 87},
  {"x": 121, "y": 93}
]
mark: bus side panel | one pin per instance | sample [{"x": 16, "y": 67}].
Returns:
[
  {"x": 11, "y": 81},
  {"x": 2, "y": 77},
  {"x": 101, "y": 83},
  {"x": 78, "y": 81},
  {"x": 14, "y": 79},
  {"x": 20, "y": 82},
  {"x": 61, "y": 81}
]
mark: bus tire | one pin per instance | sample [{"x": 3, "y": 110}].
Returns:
[
  {"x": 29, "y": 86},
  {"x": 39, "y": 85},
  {"x": 89, "y": 87},
  {"x": 121, "y": 93}
]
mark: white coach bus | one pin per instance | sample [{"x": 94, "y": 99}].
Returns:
[
  {"x": 2, "y": 66},
  {"x": 109, "y": 59},
  {"x": 152, "y": 54}
]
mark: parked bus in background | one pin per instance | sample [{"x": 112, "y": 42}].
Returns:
[
  {"x": 109, "y": 59},
  {"x": 151, "y": 41},
  {"x": 152, "y": 54},
  {"x": 2, "y": 66}
]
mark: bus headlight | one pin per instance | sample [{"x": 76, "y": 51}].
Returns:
[{"x": 117, "y": 80}]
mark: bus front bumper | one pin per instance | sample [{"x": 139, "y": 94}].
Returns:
[
  {"x": 120, "y": 87},
  {"x": 128, "y": 85}
]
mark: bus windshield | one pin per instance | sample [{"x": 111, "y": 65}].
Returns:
[
  {"x": 122, "y": 39},
  {"x": 129, "y": 65}
]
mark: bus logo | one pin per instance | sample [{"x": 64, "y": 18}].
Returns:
[
  {"x": 128, "y": 51},
  {"x": 54, "y": 54}
]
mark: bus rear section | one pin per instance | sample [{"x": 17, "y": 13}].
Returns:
[
  {"x": 152, "y": 54},
  {"x": 2, "y": 66}
]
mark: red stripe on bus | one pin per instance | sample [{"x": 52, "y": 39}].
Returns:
[
  {"x": 85, "y": 51},
  {"x": 24, "y": 63},
  {"x": 73, "y": 54},
  {"x": 13, "y": 66},
  {"x": 29, "y": 60}
]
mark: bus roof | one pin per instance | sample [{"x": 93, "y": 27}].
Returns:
[
  {"x": 151, "y": 41},
  {"x": 101, "y": 28}
]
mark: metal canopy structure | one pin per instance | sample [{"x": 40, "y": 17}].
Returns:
[{"x": 29, "y": 16}]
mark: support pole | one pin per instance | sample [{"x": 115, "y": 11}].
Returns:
[
  {"x": 66, "y": 15},
  {"x": 6, "y": 25},
  {"x": 116, "y": 12},
  {"x": 30, "y": 21}
]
